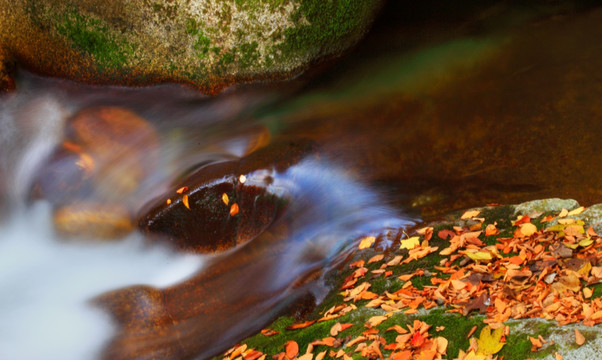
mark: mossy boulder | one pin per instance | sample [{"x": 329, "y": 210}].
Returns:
[
  {"x": 206, "y": 43},
  {"x": 367, "y": 323}
]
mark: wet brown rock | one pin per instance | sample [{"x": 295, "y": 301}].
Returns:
[
  {"x": 93, "y": 220},
  {"x": 198, "y": 219}
]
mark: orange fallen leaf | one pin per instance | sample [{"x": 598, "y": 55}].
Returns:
[
  {"x": 557, "y": 356},
  {"x": 536, "y": 344},
  {"x": 321, "y": 355},
  {"x": 269, "y": 332},
  {"x": 234, "y": 209},
  {"x": 474, "y": 328},
  {"x": 397, "y": 328},
  {"x": 579, "y": 338},
  {"x": 291, "y": 349},
  {"x": 300, "y": 326},
  {"x": 182, "y": 190},
  {"x": 185, "y": 201},
  {"x": 491, "y": 230},
  {"x": 376, "y": 258},
  {"x": 168, "y": 202},
  {"x": 328, "y": 341}
]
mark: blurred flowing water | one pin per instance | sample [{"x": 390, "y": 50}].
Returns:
[{"x": 497, "y": 105}]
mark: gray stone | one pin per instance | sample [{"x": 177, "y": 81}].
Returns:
[{"x": 544, "y": 205}]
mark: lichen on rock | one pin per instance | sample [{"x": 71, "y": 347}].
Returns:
[{"x": 208, "y": 44}]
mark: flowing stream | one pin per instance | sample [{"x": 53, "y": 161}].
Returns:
[{"x": 418, "y": 121}]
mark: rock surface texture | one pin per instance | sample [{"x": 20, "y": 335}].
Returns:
[{"x": 206, "y": 43}]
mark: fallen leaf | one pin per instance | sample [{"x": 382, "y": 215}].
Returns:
[
  {"x": 308, "y": 356},
  {"x": 563, "y": 213},
  {"x": 576, "y": 211},
  {"x": 234, "y": 209},
  {"x": 528, "y": 229},
  {"x": 410, "y": 243},
  {"x": 321, "y": 355},
  {"x": 225, "y": 198},
  {"x": 479, "y": 255},
  {"x": 168, "y": 202},
  {"x": 182, "y": 190},
  {"x": 300, "y": 326},
  {"x": 376, "y": 320},
  {"x": 489, "y": 342},
  {"x": 535, "y": 344},
  {"x": 367, "y": 242},
  {"x": 185, "y": 201},
  {"x": 291, "y": 348},
  {"x": 579, "y": 338},
  {"x": 376, "y": 258},
  {"x": 587, "y": 293},
  {"x": 444, "y": 234},
  {"x": 470, "y": 214},
  {"x": 491, "y": 230},
  {"x": 269, "y": 332},
  {"x": 557, "y": 356}
]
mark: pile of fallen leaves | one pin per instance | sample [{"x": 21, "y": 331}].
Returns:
[
  {"x": 544, "y": 273},
  {"x": 536, "y": 273}
]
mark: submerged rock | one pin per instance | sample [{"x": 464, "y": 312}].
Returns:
[
  {"x": 224, "y": 204},
  {"x": 208, "y": 44},
  {"x": 105, "y": 155}
]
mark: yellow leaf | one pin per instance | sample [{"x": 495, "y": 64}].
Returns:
[
  {"x": 480, "y": 255},
  {"x": 225, "y": 198},
  {"x": 410, "y": 243},
  {"x": 470, "y": 214},
  {"x": 367, "y": 242},
  {"x": 528, "y": 229},
  {"x": 585, "y": 269},
  {"x": 474, "y": 356},
  {"x": 489, "y": 342},
  {"x": 185, "y": 201},
  {"x": 586, "y": 242},
  {"x": 577, "y": 211},
  {"x": 563, "y": 213}
]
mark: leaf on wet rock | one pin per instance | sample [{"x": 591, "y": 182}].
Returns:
[
  {"x": 410, "y": 243},
  {"x": 576, "y": 211},
  {"x": 225, "y": 198},
  {"x": 470, "y": 214},
  {"x": 185, "y": 201},
  {"x": 376, "y": 320},
  {"x": 367, "y": 242},
  {"x": 489, "y": 342},
  {"x": 579, "y": 338}
]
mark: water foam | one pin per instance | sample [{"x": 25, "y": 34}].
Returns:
[{"x": 47, "y": 284}]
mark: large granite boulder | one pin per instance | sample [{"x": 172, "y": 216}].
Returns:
[{"x": 206, "y": 43}]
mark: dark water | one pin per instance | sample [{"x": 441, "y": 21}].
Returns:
[{"x": 435, "y": 111}]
